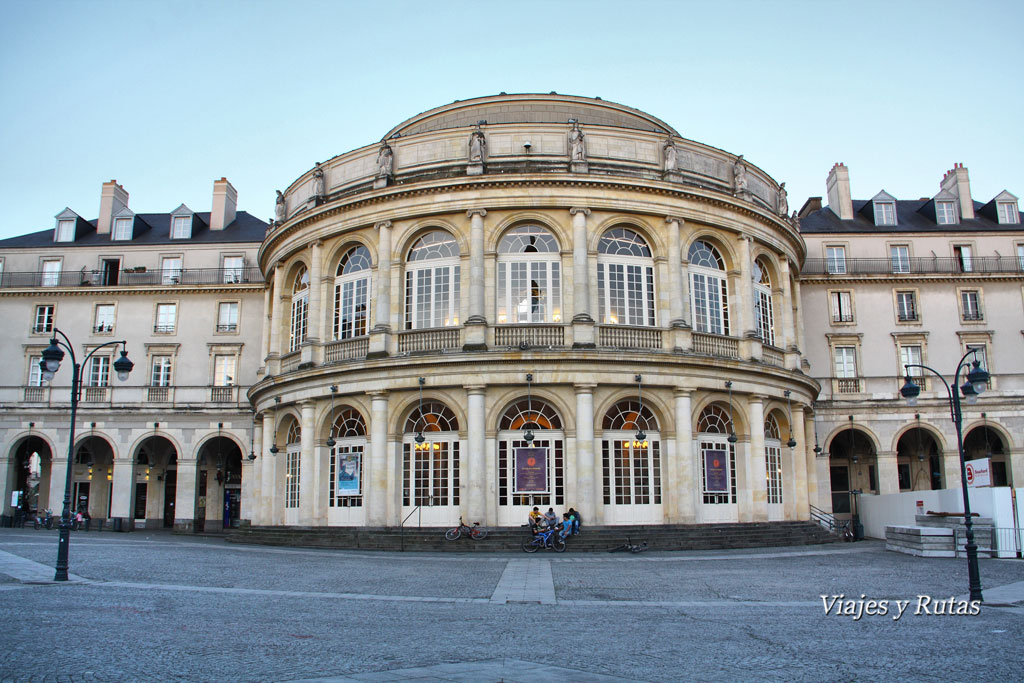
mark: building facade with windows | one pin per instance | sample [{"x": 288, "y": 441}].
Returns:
[
  {"x": 889, "y": 283},
  {"x": 183, "y": 289}
]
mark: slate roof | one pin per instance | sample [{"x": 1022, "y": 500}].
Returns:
[
  {"x": 912, "y": 215},
  {"x": 152, "y": 229}
]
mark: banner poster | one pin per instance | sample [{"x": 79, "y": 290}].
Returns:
[
  {"x": 348, "y": 473},
  {"x": 716, "y": 472},
  {"x": 531, "y": 470}
]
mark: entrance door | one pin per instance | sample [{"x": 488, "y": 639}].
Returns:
[
  {"x": 232, "y": 507},
  {"x": 141, "y": 489},
  {"x": 631, "y": 471},
  {"x": 840, "y": 478},
  {"x": 430, "y": 481},
  {"x": 81, "y": 499},
  {"x": 170, "y": 490}
]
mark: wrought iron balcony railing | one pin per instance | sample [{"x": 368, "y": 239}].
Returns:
[
  {"x": 918, "y": 265},
  {"x": 132, "y": 277}
]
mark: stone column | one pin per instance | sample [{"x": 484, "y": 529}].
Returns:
[
  {"x": 888, "y": 475},
  {"x": 476, "y": 322},
  {"x": 184, "y": 495},
  {"x": 308, "y": 474},
  {"x": 687, "y": 491},
  {"x": 477, "y": 436},
  {"x": 789, "y": 333},
  {"x": 745, "y": 310},
  {"x": 278, "y": 304},
  {"x": 589, "y": 484},
  {"x": 798, "y": 490},
  {"x": 7, "y": 486},
  {"x": 758, "y": 479},
  {"x": 951, "y": 466},
  {"x": 798, "y": 317},
  {"x": 251, "y": 480},
  {"x": 582, "y": 320},
  {"x": 376, "y": 471},
  {"x": 381, "y": 332},
  {"x": 315, "y": 314},
  {"x": 268, "y": 306},
  {"x": 675, "y": 272},
  {"x": 124, "y": 489},
  {"x": 1016, "y": 458},
  {"x": 269, "y": 494},
  {"x": 811, "y": 458}
]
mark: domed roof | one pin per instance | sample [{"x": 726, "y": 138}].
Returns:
[{"x": 530, "y": 108}]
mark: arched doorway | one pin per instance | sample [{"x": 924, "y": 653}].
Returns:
[
  {"x": 219, "y": 485},
  {"x": 92, "y": 477},
  {"x": 430, "y": 465},
  {"x": 529, "y": 472},
  {"x": 853, "y": 468},
  {"x": 631, "y": 465},
  {"x": 155, "y": 482},
  {"x": 919, "y": 461},
  {"x": 33, "y": 462},
  {"x": 985, "y": 442}
]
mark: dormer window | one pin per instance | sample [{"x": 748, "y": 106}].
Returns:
[
  {"x": 122, "y": 228},
  {"x": 1008, "y": 213},
  {"x": 181, "y": 228},
  {"x": 945, "y": 213},
  {"x": 65, "y": 231},
  {"x": 885, "y": 213}
]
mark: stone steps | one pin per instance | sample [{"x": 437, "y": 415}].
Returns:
[{"x": 661, "y": 537}]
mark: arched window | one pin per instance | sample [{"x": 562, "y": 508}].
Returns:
[
  {"x": 346, "y": 460},
  {"x": 530, "y": 473},
  {"x": 625, "y": 279},
  {"x": 529, "y": 277},
  {"x": 300, "y": 309},
  {"x": 352, "y": 294},
  {"x": 717, "y": 456},
  {"x": 292, "y": 472},
  {"x": 709, "y": 292},
  {"x": 764, "y": 315},
  {"x": 432, "y": 282},
  {"x": 773, "y": 462},
  {"x": 430, "y": 469},
  {"x": 631, "y": 467}
]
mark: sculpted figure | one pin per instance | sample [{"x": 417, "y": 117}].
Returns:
[
  {"x": 795, "y": 220},
  {"x": 783, "y": 201},
  {"x": 385, "y": 160},
  {"x": 279, "y": 208},
  {"x": 576, "y": 149},
  {"x": 318, "y": 181},
  {"x": 477, "y": 146},
  {"x": 739, "y": 176},
  {"x": 670, "y": 155}
]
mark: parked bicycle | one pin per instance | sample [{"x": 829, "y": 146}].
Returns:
[
  {"x": 474, "y": 532},
  {"x": 44, "y": 522},
  {"x": 547, "y": 538},
  {"x": 629, "y": 547}
]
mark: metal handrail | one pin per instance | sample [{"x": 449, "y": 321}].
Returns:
[
  {"x": 401, "y": 528},
  {"x": 828, "y": 521}
]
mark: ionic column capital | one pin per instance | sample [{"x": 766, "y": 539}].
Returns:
[
  {"x": 584, "y": 388},
  {"x": 476, "y": 212},
  {"x": 475, "y": 389},
  {"x": 381, "y": 225},
  {"x": 675, "y": 219},
  {"x": 579, "y": 209}
]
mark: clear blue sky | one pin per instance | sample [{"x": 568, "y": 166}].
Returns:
[{"x": 166, "y": 97}]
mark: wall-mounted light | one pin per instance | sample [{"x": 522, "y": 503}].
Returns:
[
  {"x": 330, "y": 437},
  {"x": 419, "y": 430},
  {"x": 641, "y": 437},
  {"x": 528, "y": 436},
  {"x": 732, "y": 420},
  {"x": 853, "y": 454},
  {"x": 789, "y": 406},
  {"x": 274, "y": 450}
]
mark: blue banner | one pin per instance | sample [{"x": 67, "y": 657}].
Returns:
[
  {"x": 716, "y": 472},
  {"x": 348, "y": 473},
  {"x": 531, "y": 470}
]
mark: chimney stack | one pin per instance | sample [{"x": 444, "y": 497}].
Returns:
[
  {"x": 225, "y": 201},
  {"x": 958, "y": 184},
  {"x": 113, "y": 198},
  {"x": 838, "y": 186}
]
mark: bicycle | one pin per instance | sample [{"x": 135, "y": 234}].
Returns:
[
  {"x": 474, "y": 532},
  {"x": 629, "y": 547},
  {"x": 544, "y": 539}
]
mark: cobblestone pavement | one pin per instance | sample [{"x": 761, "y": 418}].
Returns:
[{"x": 155, "y": 606}]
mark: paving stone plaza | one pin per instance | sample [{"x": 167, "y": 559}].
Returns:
[{"x": 157, "y": 606}]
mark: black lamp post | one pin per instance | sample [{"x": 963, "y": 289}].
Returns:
[
  {"x": 977, "y": 382},
  {"x": 52, "y": 356}
]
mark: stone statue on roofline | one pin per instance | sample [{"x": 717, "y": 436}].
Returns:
[
  {"x": 739, "y": 177},
  {"x": 385, "y": 160},
  {"x": 670, "y": 153},
  {"x": 783, "y": 201},
  {"x": 280, "y": 211},
  {"x": 318, "y": 182},
  {"x": 477, "y": 146},
  {"x": 577, "y": 151},
  {"x": 794, "y": 220}
]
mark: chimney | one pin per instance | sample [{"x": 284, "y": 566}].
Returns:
[
  {"x": 838, "y": 186},
  {"x": 958, "y": 184},
  {"x": 225, "y": 201},
  {"x": 113, "y": 198}
]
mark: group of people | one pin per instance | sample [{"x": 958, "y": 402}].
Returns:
[{"x": 567, "y": 526}]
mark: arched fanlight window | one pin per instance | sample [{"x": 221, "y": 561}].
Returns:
[
  {"x": 718, "y": 456},
  {"x": 773, "y": 460},
  {"x": 625, "y": 279},
  {"x": 346, "y": 459},
  {"x": 530, "y": 472},
  {"x": 771, "y": 428},
  {"x": 709, "y": 291},
  {"x": 294, "y": 433},
  {"x": 430, "y": 468},
  {"x": 764, "y": 314},
  {"x": 432, "y": 282},
  {"x": 352, "y": 294},
  {"x": 529, "y": 276},
  {"x": 631, "y": 469},
  {"x": 300, "y": 309}
]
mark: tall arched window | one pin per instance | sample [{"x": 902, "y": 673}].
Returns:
[
  {"x": 709, "y": 291},
  {"x": 351, "y": 294},
  {"x": 530, "y": 473},
  {"x": 529, "y": 277},
  {"x": 300, "y": 309},
  {"x": 346, "y": 462},
  {"x": 631, "y": 468},
  {"x": 764, "y": 315},
  {"x": 432, "y": 282},
  {"x": 293, "y": 448},
  {"x": 773, "y": 460},
  {"x": 430, "y": 470},
  {"x": 625, "y": 279},
  {"x": 717, "y": 456}
]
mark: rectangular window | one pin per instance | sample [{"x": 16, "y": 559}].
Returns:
[
  {"x": 35, "y": 373},
  {"x": 44, "y": 319},
  {"x": 51, "y": 273},
  {"x": 970, "y": 304},
  {"x": 773, "y": 468},
  {"x": 233, "y": 266},
  {"x": 166, "y": 318},
  {"x": 885, "y": 213},
  {"x": 104, "y": 318},
  {"x": 224, "y": 371},
  {"x": 170, "y": 270},
  {"x": 842, "y": 307},
  {"x": 962, "y": 253},
  {"x": 65, "y": 231},
  {"x": 903, "y": 473},
  {"x": 291, "y": 493},
  {"x": 227, "y": 316},
  {"x": 1020, "y": 257},
  {"x": 910, "y": 355},
  {"x": 846, "y": 361},
  {"x": 836, "y": 260},
  {"x": 1008, "y": 213},
  {"x": 906, "y": 306},
  {"x": 899, "y": 258},
  {"x": 99, "y": 371},
  {"x": 181, "y": 228},
  {"x": 981, "y": 356},
  {"x": 945, "y": 213},
  {"x": 161, "y": 375},
  {"x": 122, "y": 228}
]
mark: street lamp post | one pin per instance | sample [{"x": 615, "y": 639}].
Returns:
[
  {"x": 977, "y": 381},
  {"x": 52, "y": 356}
]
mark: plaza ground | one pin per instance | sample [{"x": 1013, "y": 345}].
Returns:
[{"x": 158, "y": 606}]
